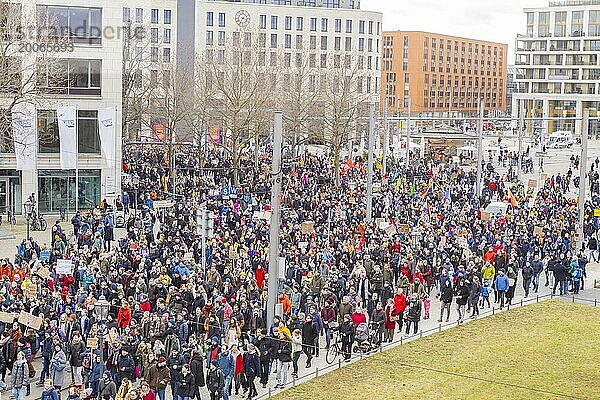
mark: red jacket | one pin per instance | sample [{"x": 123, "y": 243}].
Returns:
[
  {"x": 124, "y": 317},
  {"x": 260, "y": 277},
  {"x": 399, "y": 304}
]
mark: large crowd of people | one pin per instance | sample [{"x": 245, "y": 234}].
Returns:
[{"x": 182, "y": 327}]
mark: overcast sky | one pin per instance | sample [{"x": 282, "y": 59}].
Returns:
[{"x": 495, "y": 20}]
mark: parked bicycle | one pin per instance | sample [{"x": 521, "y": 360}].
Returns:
[{"x": 38, "y": 223}]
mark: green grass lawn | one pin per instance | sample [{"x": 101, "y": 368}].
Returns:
[{"x": 553, "y": 347}]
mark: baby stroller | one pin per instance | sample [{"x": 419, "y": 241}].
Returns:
[{"x": 365, "y": 339}]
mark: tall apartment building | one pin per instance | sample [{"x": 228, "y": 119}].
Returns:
[
  {"x": 295, "y": 29},
  {"x": 90, "y": 80},
  {"x": 442, "y": 75},
  {"x": 557, "y": 62}
]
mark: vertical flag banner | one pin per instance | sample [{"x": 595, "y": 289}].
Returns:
[
  {"x": 24, "y": 124},
  {"x": 67, "y": 132},
  {"x": 107, "y": 125}
]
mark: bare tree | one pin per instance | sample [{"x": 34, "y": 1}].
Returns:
[
  {"x": 298, "y": 97},
  {"x": 241, "y": 90},
  {"x": 30, "y": 49},
  {"x": 344, "y": 93}
]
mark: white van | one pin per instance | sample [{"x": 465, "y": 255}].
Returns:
[{"x": 560, "y": 140}]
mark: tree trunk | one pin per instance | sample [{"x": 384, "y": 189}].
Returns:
[
  {"x": 236, "y": 162},
  {"x": 336, "y": 165}
]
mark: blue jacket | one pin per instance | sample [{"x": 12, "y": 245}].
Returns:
[
  {"x": 226, "y": 364},
  {"x": 502, "y": 283}
]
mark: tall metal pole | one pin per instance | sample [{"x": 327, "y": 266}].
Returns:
[
  {"x": 386, "y": 139},
  {"x": 479, "y": 147},
  {"x": 583, "y": 171},
  {"x": 408, "y": 136},
  {"x": 275, "y": 218},
  {"x": 370, "y": 164},
  {"x": 520, "y": 128}
]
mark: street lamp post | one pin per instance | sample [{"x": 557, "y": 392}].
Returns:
[
  {"x": 135, "y": 180},
  {"x": 28, "y": 210},
  {"x": 101, "y": 309}
]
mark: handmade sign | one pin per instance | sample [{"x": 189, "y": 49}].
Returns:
[{"x": 30, "y": 320}]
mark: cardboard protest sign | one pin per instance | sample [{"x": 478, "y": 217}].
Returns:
[
  {"x": 30, "y": 320},
  {"x": 43, "y": 273},
  {"x": 597, "y": 212},
  {"x": 404, "y": 228},
  {"x": 64, "y": 267},
  {"x": 537, "y": 231},
  {"x": 91, "y": 343},
  {"x": 532, "y": 183},
  {"x": 308, "y": 227},
  {"x": 390, "y": 230},
  {"x": 7, "y": 317},
  {"x": 45, "y": 255},
  {"x": 188, "y": 256},
  {"x": 485, "y": 216}
]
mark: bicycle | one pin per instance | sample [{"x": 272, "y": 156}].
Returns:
[
  {"x": 335, "y": 347},
  {"x": 39, "y": 223}
]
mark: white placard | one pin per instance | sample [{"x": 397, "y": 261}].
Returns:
[{"x": 64, "y": 267}]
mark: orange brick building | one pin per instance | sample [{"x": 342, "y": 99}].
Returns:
[{"x": 441, "y": 75}]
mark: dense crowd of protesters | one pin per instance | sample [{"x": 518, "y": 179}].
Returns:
[{"x": 178, "y": 327}]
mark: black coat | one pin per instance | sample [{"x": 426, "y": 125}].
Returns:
[
  {"x": 186, "y": 385},
  {"x": 284, "y": 351},
  {"x": 446, "y": 292},
  {"x": 215, "y": 381},
  {"x": 197, "y": 369},
  {"x": 251, "y": 365},
  {"x": 462, "y": 294},
  {"x": 126, "y": 367}
]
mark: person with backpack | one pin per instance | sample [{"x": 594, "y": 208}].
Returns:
[
  {"x": 215, "y": 381},
  {"x": 19, "y": 377},
  {"x": 576, "y": 274},
  {"x": 107, "y": 389},
  {"x": 49, "y": 392},
  {"x": 251, "y": 369}
]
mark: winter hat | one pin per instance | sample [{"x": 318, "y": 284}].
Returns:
[{"x": 161, "y": 359}]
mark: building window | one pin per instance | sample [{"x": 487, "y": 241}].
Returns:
[
  {"x": 167, "y": 17},
  {"x": 209, "y": 37},
  {"x": 221, "y": 38},
  {"x": 273, "y": 21},
  {"x": 71, "y": 76},
  {"x": 348, "y": 44},
  {"x": 153, "y": 54},
  {"x": 153, "y": 35},
  {"x": 167, "y": 36},
  {"x": 338, "y": 25},
  {"x": 262, "y": 21},
  {"x": 221, "y": 20},
  {"x": 288, "y": 41},
  {"x": 126, "y": 14},
  {"x": 154, "y": 16},
  {"x": 273, "y": 40},
  {"x": 313, "y": 24},
  {"x": 210, "y": 18},
  {"x": 331, "y": 3},
  {"x": 87, "y": 131},
  {"x": 288, "y": 23},
  {"x": 361, "y": 27},
  {"x": 80, "y": 24},
  {"x": 48, "y": 139},
  {"x": 57, "y": 189},
  {"x": 139, "y": 15},
  {"x": 299, "y": 23},
  {"x": 324, "y": 22},
  {"x": 323, "y": 42},
  {"x": 167, "y": 55},
  {"x": 348, "y": 26}
]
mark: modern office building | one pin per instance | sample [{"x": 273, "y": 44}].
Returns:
[
  {"x": 90, "y": 81},
  {"x": 510, "y": 87},
  {"x": 147, "y": 60},
  {"x": 296, "y": 29},
  {"x": 557, "y": 62},
  {"x": 442, "y": 75}
]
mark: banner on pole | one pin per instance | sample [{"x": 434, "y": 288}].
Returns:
[
  {"x": 24, "y": 125},
  {"x": 67, "y": 132},
  {"x": 107, "y": 127}
]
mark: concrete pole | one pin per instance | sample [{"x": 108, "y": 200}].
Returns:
[
  {"x": 408, "y": 136},
  {"x": 370, "y": 164},
  {"x": 479, "y": 148},
  {"x": 582, "y": 172},
  {"x": 275, "y": 218},
  {"x": 520, "y": 133},
  {"x": 386, "y": 139}
]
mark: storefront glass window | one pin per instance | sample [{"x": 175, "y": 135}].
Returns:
[{"x": 57, "y": 190}]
